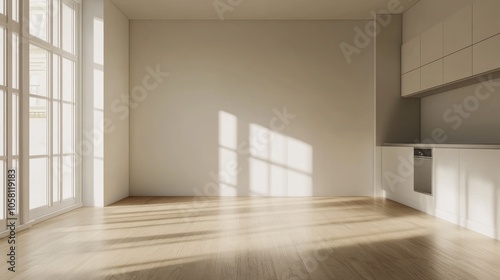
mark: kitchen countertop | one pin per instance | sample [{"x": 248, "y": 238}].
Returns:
[{"x": 449, "y": 146}]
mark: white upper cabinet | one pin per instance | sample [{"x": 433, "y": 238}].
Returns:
[
  {"x": 410, "y": 83},
  {"x": 410, "y": 53},
  {"x": 432, "y": 44},
  {"x": 464, "y": 45},
  {"x": 486, "y": 19},
  {"x": 432, "y": 75},
  {"x": 487, "y": 55},
  {"x": 458, "y": 31},
  {"x": 458, "y": 65}
]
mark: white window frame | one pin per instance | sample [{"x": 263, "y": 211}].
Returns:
[
  {"x": 67, "y": 204},
  {"x": 11, "y": 26}
]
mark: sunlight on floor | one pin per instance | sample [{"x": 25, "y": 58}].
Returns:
[{"x": 218, "y": 238}]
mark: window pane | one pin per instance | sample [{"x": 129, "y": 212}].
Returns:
[
  {"x": 68, "y": 177},
  {"x": 38, "y": 182},
  {"x": 3, "y": 63},
  {"x": 39, "y": 18},
  {"x": 15, "y": 10},
  {"x": 56, "y": 85},
  {"x": 56, "y": 164},
  {"x": 2, "y": 6},
  {"x": 38, "y": 126},
  {"x": 56, "y": 135},
  {"x": 2, "y": 190},
  {"x": 15, "y": 124},
  {"x": 68, "y": 128},
  {"x": 68, "y": 18},
  {"x": 3, "y": 110},
  {"x": 15, "y": 60},
  {"x": 38, "y": 71},
  {"x": 56, "y": 25},
  {"x": 68, "y": 80}
]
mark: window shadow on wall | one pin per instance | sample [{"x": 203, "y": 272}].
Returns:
[{"x": 264, "y": 163}]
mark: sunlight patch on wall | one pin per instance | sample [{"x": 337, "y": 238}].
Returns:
[
  {"x": 98, "y": 112},
  {"x": 279, "y": 165},
  {"x": 228, "y": 130},
  {"x": 228, "y": 156}
]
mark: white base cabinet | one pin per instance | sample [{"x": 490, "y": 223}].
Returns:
[
  {"x": 480, "y": 191},
  {"x": 398, "y": 179},
  {"x": 466, "y": 186},
  {"x": 447, "y": 184}
]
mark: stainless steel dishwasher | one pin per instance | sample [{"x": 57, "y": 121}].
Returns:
[{"x": 423, "y": 171}]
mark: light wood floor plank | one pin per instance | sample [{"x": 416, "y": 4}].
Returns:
[{"x": 252, "y": 239}]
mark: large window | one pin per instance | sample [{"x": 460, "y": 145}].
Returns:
[
  {"x": 42, "y": 102},
  {"x": 9, "y": 96},
  {"x": 53, "y": 100}
]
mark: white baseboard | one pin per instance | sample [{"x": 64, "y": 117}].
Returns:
[
  {"x": 425, "y": 206},
  {"x": 469, "y": 224},
  {"x": 451, "y": 218}
]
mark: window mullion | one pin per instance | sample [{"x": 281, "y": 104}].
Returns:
[
  {"x": 50, "y": 129},
  {"x": 50, "y": 89},
  {"x": 8, "y": 83},
  {"x": 50, "y": 21},
  {"x": 61, "y": 132}
]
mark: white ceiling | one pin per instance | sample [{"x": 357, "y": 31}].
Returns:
[{"x": 255, "y": 9}]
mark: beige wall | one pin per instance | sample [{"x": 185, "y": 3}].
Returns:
[
  {"x": 93, "y": 91},
  {"x": 398, "y": 119},
  {"x": 105, "y": 142},
  {"x": 464, "y": 116},
  {"x": 116, "y": 87},
  {"x": 240, "y": 72}
]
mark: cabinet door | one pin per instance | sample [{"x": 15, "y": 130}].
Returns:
[
  {"x": 486, "y": 21},
  {"x": 480, "y": 189},
  {"x": 458, "y": 65},
  {"x": 432, "y": 44},
  {"x": 410, "y": 55},
  {"x": 432, "y": 75},
  {"x": 447, "y": 184},
  {"x": 410, "y": 83},
  {"x": 487, "y": 55},
  {"x": 458, "y": 31},
  {"x": 397, "y": 173}
]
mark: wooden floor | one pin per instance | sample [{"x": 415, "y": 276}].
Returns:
[{"x": 252, "y": 238}]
